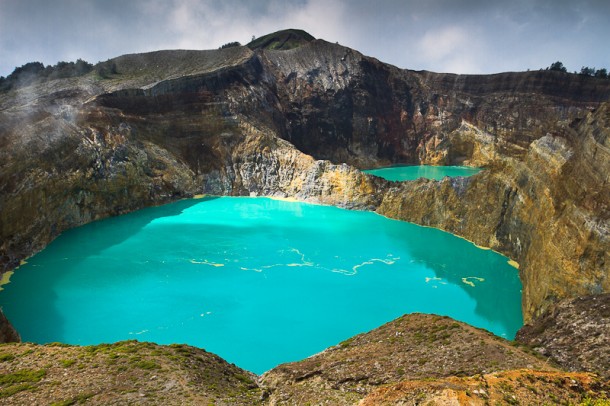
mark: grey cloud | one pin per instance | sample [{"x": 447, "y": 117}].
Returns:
[{"x": 470, "y": 36}]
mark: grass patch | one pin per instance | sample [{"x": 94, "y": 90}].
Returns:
[
  {"x": 346, "y": 343},
  {"x": 58, "y": 344},
  {"x": 588, "y": 401},
  {"x": 11, "y": 390},
  {"x": 66, "y": 362},
  {"x": 145, "y": 364},
  {"x": 25, "y": 375},
  {"x": 245, "y": 379},
  {"x": 75, "y": 400},
  {"x": 6, "y": 357}
]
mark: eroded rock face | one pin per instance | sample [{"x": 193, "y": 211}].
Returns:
[
  {"x": 8, "y": 334},
  {"x": 548, "y": 211},
  {"x": 574, "y": 333}
]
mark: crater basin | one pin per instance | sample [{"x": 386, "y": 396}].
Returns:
[{"x": 255, "y": 280}]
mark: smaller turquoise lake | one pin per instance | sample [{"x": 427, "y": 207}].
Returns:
[
  {"x": 255, "y": 280},
  {"x": 413, "y": 172}
]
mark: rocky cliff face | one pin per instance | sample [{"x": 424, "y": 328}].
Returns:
[
  {"x": 547, "y": 210},
  {"x": 574, "y": 333}
]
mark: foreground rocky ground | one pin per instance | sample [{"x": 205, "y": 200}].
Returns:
[
  {"x": 123, "y": 373},
  {"x": 575, "y": 333},
  {"x": 416, "y": 359}
]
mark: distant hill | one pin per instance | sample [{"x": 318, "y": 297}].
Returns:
[{"x": 285, "y": 39}]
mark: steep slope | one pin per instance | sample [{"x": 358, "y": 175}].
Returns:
[
  {"x": 411, "y": 347},
  {"x": 574, "y": 333},
  {"x": 419, "y": 358},
  {"x": 343, "y": 106},
  {"x": 127, "y": 372},
  {"x": 549, "y": 211},
  {"x": 503, "y": 388}
]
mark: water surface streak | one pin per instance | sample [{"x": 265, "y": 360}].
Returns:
[{"x": 255, "y": 280}]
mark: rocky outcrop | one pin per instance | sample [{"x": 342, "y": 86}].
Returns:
[
  {"x": 8, "y": 334},
  {"x": 389, "y": 364},
  {"x": 548, "y": 211},
  {"x": 574, "y": 333},
  {"x": 523, "y": 387},
  {"x": 340, "y": 105}
]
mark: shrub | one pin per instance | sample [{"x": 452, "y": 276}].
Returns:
[
  {"x": 601, "y": 73},
  {"x": 586, "y": 71},
  {"x": 557, "y": 66},
  {"x": 105, "y": 69},
  {"x": 230, "y": 45}
]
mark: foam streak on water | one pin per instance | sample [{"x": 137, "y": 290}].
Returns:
[{"x": 255, "y": 280}]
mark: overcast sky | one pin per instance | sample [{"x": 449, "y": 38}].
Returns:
[{"x": 468, "y": 36}]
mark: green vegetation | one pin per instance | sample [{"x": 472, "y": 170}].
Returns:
[
  {"x": 245, "y": 380},
  {"x": 584, "y": 71},
  {"x": 281, "y": 40},
  {"x": 20, "y": 381},
  {"x": 105, "y": 69},
  {"x": 25, "y": 375},
  {"x": 66, "y": 362},
  {"x": 346, "y": 343},
  {"x": 75, "y": 400},
  {"x": 588, "y": 401},
  {"x": 11, "y": 390},
  {"x": 557, "y": 66},
  {"x": 230, "y": 45},
  {"x": 6, "y": 357},
  {"x": 33, "y": 72},
  {"x": 599, "y": 73},
  {"x": 145, "y": 364}
]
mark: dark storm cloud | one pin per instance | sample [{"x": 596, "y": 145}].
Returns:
[{"x": 471, "y": 36}]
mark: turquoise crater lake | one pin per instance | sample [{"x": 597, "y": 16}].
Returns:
[
  {"x": 413, "y": 172},
  {"x": 255, "y": 280}
]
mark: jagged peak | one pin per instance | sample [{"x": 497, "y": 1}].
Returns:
[{"x": 282, "y": 40}]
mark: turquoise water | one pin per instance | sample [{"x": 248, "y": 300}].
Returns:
[
  {"x": 400, "y": 173},
  {"x": 255, "y": 280}
]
